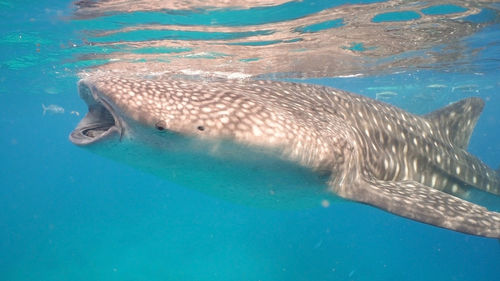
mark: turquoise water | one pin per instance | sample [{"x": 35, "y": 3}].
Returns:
[{"x": 67, "y": 214}]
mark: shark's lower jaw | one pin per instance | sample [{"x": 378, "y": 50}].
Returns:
[{"x": 99, "y": 123}]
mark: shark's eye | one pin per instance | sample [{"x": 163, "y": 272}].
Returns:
[
  {"x": 160, "y": 125},
  {"x": 201, "y": 128}
]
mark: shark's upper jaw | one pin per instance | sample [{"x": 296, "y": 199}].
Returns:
[{"x": 101, "y": 122}]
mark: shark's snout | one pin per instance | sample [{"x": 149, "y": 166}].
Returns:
[{"x": 99, "y": 123}]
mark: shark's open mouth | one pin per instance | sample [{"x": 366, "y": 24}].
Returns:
[{"x": 99, "y": 123}]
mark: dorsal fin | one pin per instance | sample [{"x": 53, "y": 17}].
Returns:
[{"x": 457, "y": 120}]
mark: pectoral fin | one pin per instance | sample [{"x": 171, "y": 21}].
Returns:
[{"x": 418, "y": 202}]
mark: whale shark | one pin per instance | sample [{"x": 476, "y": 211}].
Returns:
[{"x": 285, "y": 145}]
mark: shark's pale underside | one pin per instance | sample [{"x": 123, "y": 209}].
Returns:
[{"x": 277, "y": 143}]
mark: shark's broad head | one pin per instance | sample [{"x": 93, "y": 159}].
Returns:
[{"x": 286, "y": 144}]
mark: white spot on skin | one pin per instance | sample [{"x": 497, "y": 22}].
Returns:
[
  {"x": 406, "y": 171},
  {"x": 433, "y": 180},
  {"x": 445, "y": 181},
  {"x": 396, "y": 171},
  {"x": 256, "y": 131}
]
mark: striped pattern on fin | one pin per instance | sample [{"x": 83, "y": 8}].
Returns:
[
  {"x": 418, "y": 202},
  {"x": 456, "y": 121}
]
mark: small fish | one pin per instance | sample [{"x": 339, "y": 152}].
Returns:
[
  {"x": 466, "y": 88},
  {"x": 52, "y": 108},
  {"x": 385, "y": 95},
  {"x": 74, "y": 112},
  {"x": 437, "y": 86},
  {"x": 382, "y": 88}
]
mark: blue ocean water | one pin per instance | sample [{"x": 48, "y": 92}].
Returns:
[{"x": 67, "y": 214}]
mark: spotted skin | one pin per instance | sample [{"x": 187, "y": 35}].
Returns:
[{"x": 413, "y": 166}]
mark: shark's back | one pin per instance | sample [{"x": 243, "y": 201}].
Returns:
[{"x": 395, "y": 144}]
